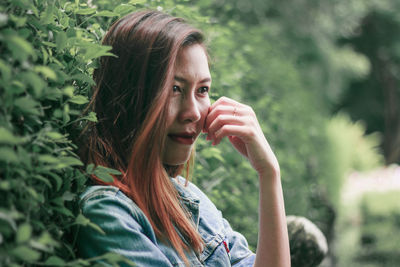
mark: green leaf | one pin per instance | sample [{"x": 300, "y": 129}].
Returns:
[
  {"x": 58, "y": 201},
  {"x": 24, "y": 157},
  {"x": 8, "y": 155},
  {"x": 19, "y": 21},
  {"x": 68, "y": 91},
  {"x": 68, "y": 161},
  {"x": 61, "y": 40},
  {"x": 55, "y": 261},
  {"x": 46, "y": 72},
  {"x": 33, "y": 193},
  {"x": 95, "y": 51},
  {"x": 48, "y": 159},
  {"x": 49, "y": 44},
  {"x": 80, "y": 179},
  {"x": 83, "y": 77},
  {"x": 5, "y": 185},
  {"x": 79, "y": 99},
  {"x": 9, "y": 217},
  {"x": 53, "y": 94},
  {"x": 91, "y": 117},
  {"x": 104, "y": 173},
  {"x": 105, "y": 177},
  {"x": 64, "y": 211},
  {"x": 20, "y": 48},
  {"x": 106, "y": 13},
  {"x": 54, "y": 135},
  {"x": 25, "y": 253},
  {"x": 47, "y": 17},
  {"x": 86, "y": 11},
  {"x": 124, "y": 9},
  {"x": 57, "y": 179},
  {"x": 57, "y": 113},
  {"x": 5, "y": 70},
  {"x": 6, "y": 137},
  {"x": 68, "y": 196},
  {"x": 89, "y": 168},
  {"x": 82, "y": 220},
  {"x": 66, "y": 117},
  {"x": 43, "y": 179},
  {"x": 46, "y": 239},
  {"x": 83, "y": 262},
  {"x": 27, "y": 105},
  {"x": 108, "y": 170},
  {"x": 136, "y": 2},
  {"x": 24, "y": 233},
  {"x": 64, "y": 20},
  {"x": 45, "y": 55},
  {"x": 34, "y": 80}
]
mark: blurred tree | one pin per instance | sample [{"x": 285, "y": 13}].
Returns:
[{"x": 375, "y": 99}]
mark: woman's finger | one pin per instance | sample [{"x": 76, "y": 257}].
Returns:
[
  {"x": 222, "y": 107},
  {"x": 221, "y": 120},
  {"x": 232, "y": 130},
  {"x": 217, "y": 111}
]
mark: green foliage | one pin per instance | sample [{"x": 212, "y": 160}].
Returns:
[
  {"x": 358, "y": 151},
  {"x": 373, "y": 242},
  {"x": 375, "y": 97},
  {"x": 48, "y": 52},
  {"x": 349, "y": 149}
]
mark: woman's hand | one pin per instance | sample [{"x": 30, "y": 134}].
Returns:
[
  {"x": 239, "y": 123},
  {"x": 227, "y": 117}
]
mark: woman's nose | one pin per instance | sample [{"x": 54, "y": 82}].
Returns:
[{"x": 190, "y": 109}]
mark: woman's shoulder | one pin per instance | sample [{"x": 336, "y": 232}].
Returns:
[
  {"x": 102, "y": 192},
  {"x": 107, "y": 198}
]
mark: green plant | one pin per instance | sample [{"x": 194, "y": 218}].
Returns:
[{"x": 48, "y": 52}]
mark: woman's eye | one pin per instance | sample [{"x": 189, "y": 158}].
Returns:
[
  {"x": 176, "y": 89},
  {"x": 203, "y": 90}
]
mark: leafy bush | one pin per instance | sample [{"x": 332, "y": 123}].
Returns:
[
  {"x": 350, "y": 149},
  {"x": 48, "y": 51},
  {"x": 379, "y": 224}
]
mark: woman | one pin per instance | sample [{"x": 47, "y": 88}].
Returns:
[{"x": 152, "y": 103}]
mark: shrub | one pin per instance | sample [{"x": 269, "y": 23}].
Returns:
[{"x": 48, "y": 51}]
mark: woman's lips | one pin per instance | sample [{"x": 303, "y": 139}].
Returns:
[{"x": 185, "y": 139}]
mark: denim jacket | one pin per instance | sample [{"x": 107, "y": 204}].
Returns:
[{"x": 129, "y": 233}]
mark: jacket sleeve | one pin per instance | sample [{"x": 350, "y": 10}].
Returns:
[{"x": 124, "y": 232}]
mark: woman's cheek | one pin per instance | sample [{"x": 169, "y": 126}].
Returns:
[{"x": 173, "y": 110}]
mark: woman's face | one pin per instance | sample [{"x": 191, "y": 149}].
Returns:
[{"x": 188, "y": 105}]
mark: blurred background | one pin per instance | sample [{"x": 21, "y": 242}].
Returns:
[
  {"x": 324, "y": 80},
  {"x": 322, "y": 76}
]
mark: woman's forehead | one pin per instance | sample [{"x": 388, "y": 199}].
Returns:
[{"x": 192, "y": 65}]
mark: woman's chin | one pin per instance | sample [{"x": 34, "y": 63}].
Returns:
[{"x": 176, "y": 157}]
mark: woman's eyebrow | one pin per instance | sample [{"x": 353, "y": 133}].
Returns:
[{"x": 183, "y": 80}]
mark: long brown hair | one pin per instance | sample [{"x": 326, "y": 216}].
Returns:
[{"x": 131, "y": 99}]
